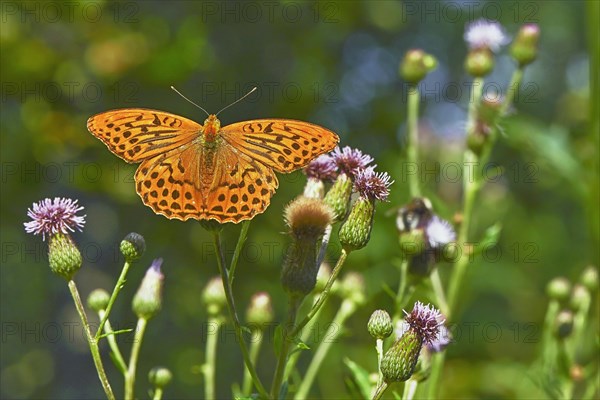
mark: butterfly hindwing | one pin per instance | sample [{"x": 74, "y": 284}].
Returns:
[
  {"x": 137, "y": 134},
  {"x": 282, "y": 144}
]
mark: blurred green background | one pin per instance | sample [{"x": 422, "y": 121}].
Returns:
[{"x": 333, "y": 63}]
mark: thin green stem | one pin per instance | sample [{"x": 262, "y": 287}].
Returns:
[
  {"x": 112, "y": 342},
  {"x": 93, "y": 343},
  {"x": 379, "y": 349},
  {"x": 238, "y": 250},
  {"x": 113, "y": 297},
  {"x": 334, "y": 330},
  {"x": 254, "y": 351},
  {"x": 380, "y": 391},
  {"x": 513, "y": 89},
  {"x": 234, "y": 317},
  {"x": 286, "y": 341},
  {"x": 324, "y": 295},
  {"x": 158, "y": 392},
  {"x": 404, "y": 290},
  {"x": 410, "y": 388},
  {"x": 133, "y": 358},
  {"x": 412, "y": 150},
  {"x": 209, "y": 367}
]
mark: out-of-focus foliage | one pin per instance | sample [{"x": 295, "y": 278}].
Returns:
[{"x": 332, "y": 63}]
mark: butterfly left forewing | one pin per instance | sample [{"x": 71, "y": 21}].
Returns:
[
  {"x": 137, "y": 134},
  {"x": 282, "y": 144}
]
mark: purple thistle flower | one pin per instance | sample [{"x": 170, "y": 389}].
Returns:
[
  {"x": 322, "y": 168},
  {"x": 441, "y": 341},
  {"x": 373, "y": 185},
  {"x": 350, "y": 161},
  {"x": 485, "y": 34},
  {"x": 439, "y": 232},
  {"x": 51, "y": 217},
  {"x": 425, "y": 321}
]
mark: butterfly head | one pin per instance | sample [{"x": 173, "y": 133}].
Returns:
[{"x": 211, "y": 127}]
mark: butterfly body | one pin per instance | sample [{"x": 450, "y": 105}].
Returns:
[{"x": 188, "y": 170}]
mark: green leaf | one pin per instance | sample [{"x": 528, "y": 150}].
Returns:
[{"x": 360, "y": 376}]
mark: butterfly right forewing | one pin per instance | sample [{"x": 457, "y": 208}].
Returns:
[{"x": 137, "y": 134}]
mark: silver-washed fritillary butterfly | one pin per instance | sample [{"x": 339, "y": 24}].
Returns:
[{"x": 208, "y": 171}]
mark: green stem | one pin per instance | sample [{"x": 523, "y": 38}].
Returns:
[
  {"x": 379, "y": 348},
  {"x": 412, "y": 150},
  {"x": 404, "y": 290},
  {"x": 113, "y": 297},
  {"x": 410, "y": 388},
  {"x": 211, "y": 358},
  {"x": 158, "y": 392},
  {"x": 333, "y": 331},
  {"x": 513, "y": 89},
  {"x": 254, "y": 351},
  {"x": 324, "y": 294},
  {"x": 233, "y": 315},
  {"x": 286, "y": 341},
  {"x": 112, "y": 342},
  {"x": 380, "y": 391},
  {"x": 93, "y": 343},
  {"x": 133, "y": 358},
  {"x": 238, "y": 250}
]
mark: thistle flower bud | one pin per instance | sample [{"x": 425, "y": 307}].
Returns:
[
  {"x": 64, "y": 256},
  {"x": 398, "y": 363},
  {"x": 479, "y": 62},
  {"x": 214, "y": 297},
  {"x": 260, "y": 310},
  {"x": 147, "y": 301},
  {"x": 580, "y": 297},
  {"x": 559, "y": 289},
  {"x": 589, "y": 278},
  {"x": 133, "y": 246},
  {"x": 563, "y": 324},
  {"x": 98, "y": 299},
  {"x": 338, "y": 197},
  {"x": 355, "y": 232},
  {"x": 524, "y": 47},
  {"x": 307, "y": 219},
  {"x": 380, "y": 324},
  {"x": 415, "y": 65},
  {"x": 160, "y": 377}
]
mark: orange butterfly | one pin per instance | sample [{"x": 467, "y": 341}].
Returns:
[{"x": 207, "y": 171}]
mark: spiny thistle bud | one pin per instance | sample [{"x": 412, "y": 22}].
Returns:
[
  {"x": 398, "y": 363},
  {"x": 307, "y": 219},
  {"x": 214, "y": 296},
  {"x": 489, "y": 112},
  {"x": 148, "y": 299},
  {"x": 65, "y": 258},
  {"x": 338, "y": 197},
  {"x": 380, "y": 324},
  {"x": 160, "y": 377},
  {"x": 355, "y": 232},
  {"x": 98, "y": 299},
  {"x": 260, "y": 310},
  {"x": 415, "y": 65},
  {"x": 589, "y": 278},
  {"x": 563, "y": 324},
  {"x": 524, "y": 47},
  {"x": 352, "y": 287},
  {"x": 559, "y": 289},
  {"x": 479, "y": 62},
  {"x": 133, "y": 246}
]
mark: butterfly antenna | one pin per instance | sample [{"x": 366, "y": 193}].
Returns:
[
  {"x": 238, "y": 100},
  {"x": 179, "y": 93}
]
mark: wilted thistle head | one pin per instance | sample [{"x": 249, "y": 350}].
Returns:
[
  {"x": 51, "y": 217},
  {"x": 307, "y": 218}
]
